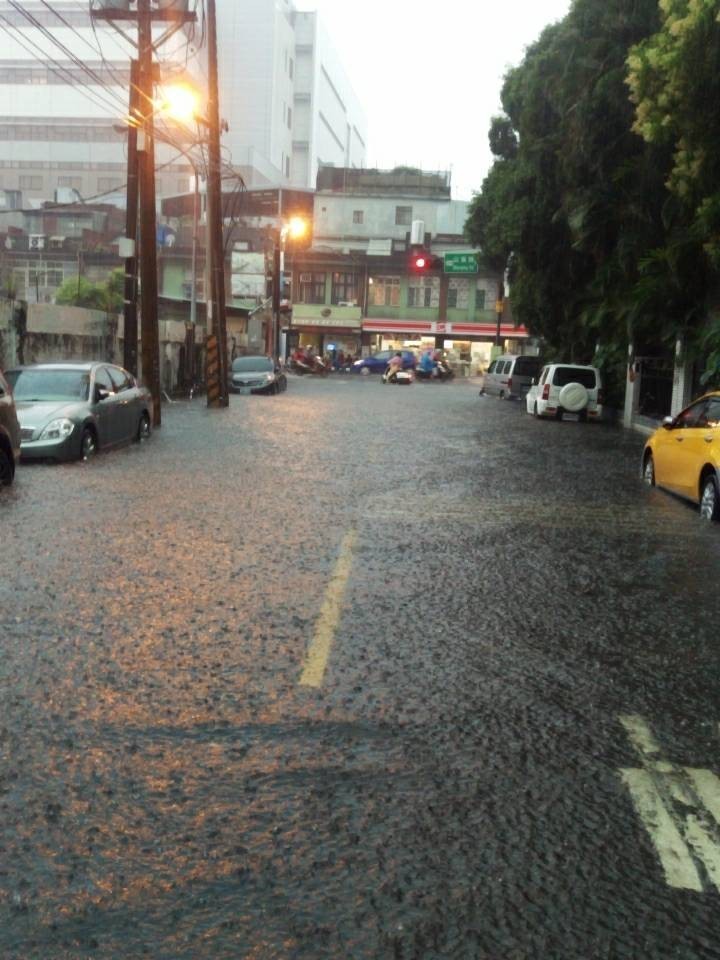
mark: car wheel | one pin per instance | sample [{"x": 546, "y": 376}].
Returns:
[
  {"x": 365, "y": 371},
  {"x": 535, "y": 412},
  {"x": 88, "y": 444},
  {"x": 501, "y": 395},
  {"x": 7, "y": 468},
  {"x": 143, "y": 430},
  {"x": 710, "y": 500},
  {"x": 649, "y": 471}
]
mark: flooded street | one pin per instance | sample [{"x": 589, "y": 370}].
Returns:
[{"x": 358, "y": 672}]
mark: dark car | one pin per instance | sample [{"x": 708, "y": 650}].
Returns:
[
  {"x": 379, "y": 361},
  {"x": 256, "y": 375},
  {"x": 68, "y": 411},
  {"x": 9, "y": 434}
]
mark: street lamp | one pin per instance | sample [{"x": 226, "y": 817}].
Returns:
[
  {"x": 294, "y": 229},
  {"x": 179, "y": 102}
]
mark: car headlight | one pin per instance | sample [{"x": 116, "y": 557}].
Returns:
[
  {"x": 357, "y": 363},
  {"x": 269, "y": 377},
  {"x": 58, "y": 429}
]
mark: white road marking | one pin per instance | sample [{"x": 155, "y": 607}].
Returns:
[
  {"x": 669, "y": 800},
  {"x": 677, "y": 864}
]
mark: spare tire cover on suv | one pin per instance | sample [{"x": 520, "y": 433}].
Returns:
[{"x": 574, "y": 397}]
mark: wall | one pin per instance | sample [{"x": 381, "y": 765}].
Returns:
[
  {"x": 45, "y": 333},
  {"x": 334, "y": 216}
]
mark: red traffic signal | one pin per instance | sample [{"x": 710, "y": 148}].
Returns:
[{"x": 422, "y": 262}]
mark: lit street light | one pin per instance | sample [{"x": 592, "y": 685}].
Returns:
[{"x": 294, "y": 229}]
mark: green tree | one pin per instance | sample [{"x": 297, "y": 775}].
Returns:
[
  {"x": 79, "y": 292},
  {"x": 575, "y": 198}
]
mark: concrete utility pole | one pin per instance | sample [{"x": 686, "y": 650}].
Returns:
[
  {"x": 145, "y": 16},
  {"x": 216, "y": 373}
]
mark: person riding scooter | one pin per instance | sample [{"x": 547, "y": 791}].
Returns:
[{"x": 394, "y": 367}]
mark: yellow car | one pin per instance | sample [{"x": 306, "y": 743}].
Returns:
[{"x": 684, "y": 455}]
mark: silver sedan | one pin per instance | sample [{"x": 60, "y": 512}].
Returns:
[{"x": 68, "y": 411}]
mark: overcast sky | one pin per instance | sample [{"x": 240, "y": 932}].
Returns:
[{"x": 429, "y": 75}]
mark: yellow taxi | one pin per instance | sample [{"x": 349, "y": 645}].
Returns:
[{"x": 684, "y": 455}]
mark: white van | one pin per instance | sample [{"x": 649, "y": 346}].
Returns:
[{"x": 510, "y": 376}]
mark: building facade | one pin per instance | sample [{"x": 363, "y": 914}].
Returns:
[
  {"x": 64, "y": 86},
  {"x": 357, "y": 289},
  {"x": 285, "y": 95}
]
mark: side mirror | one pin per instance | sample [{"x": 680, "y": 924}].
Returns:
[
  {"x": 533, "y": 382},
  {"x": 101, "y": 394},
  {"x": 668, "y": 423}
]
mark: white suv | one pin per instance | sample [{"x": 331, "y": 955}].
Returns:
[{"x": 567, "y": 391}]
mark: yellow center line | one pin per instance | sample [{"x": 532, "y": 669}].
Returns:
[{"x": 318, "y": 654}]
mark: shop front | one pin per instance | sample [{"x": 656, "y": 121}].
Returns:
[
  {"x": 327, "y": 330},
  {"x": 468, "y": 345}
]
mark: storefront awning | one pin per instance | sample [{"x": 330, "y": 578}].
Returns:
[{"x": 458, "y": 331}]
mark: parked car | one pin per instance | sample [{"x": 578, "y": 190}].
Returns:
[
  {"x": 379, "y": 361},
  {"x": 9, "y": 434},
  {"x": 566, "y": 391},
  {"x": 510, "y": 376},
  {"x": 684, "y": 455},
  {"x": 69, "y": 411},
  {"x": 256, "y": 375}
]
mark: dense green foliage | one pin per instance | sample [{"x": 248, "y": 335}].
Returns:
[
  {"x": 79, "y": 292},
  {"x": 604, "y": 198}
]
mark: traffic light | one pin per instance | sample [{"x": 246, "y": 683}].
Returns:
[{"x": 421, "y": 261}]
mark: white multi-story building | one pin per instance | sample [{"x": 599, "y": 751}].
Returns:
[
  {"x": 64, "y": 85},
  {"x": 63, "y": 98},
  {"x": 285, "y": 94}
]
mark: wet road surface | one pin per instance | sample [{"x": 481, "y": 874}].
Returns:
[{"x": 358, "y": 672}]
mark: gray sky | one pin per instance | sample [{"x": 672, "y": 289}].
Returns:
[{"x": 429, "y": 75}]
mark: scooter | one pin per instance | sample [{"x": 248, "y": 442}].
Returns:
[
  {"x": 441, "y": 371},
  {"x": 402, "y": 378}
]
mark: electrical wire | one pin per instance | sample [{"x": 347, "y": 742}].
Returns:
[
  {"x": 97, "y": 80},
  {"x": 54, "y": 66}
]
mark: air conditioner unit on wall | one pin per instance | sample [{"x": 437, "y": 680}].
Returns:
[{"x": 37, "y": 241}]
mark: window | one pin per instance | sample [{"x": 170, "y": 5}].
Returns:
[
  {"x": 121, "y": 380},
  {"x": 526, "y": 367},
  {"x": 458, "y": 293},
  {"x": 481, "y": 298},
  {"x": 287, "y": 166},
  {"x": 289, "y": 117},
  {"x": 386, "y": 291},
  {"x": 713, "y": 412},
  {"x": 312, "y": 288},
  {"x": 102, "y": 379},
  {"x": 424, "y": 292},
  {"x": 344, "y": 288},
  {"x": 583, "y": 375},
  {"x": 403, "y": 216},
  {"x": 694, "y": 416},
  {"x": 291, "y": 68},
  {"x": 75, "y": 183},
  {"x": 30, "y": 183},
  {"x": 358, "y": 216}
]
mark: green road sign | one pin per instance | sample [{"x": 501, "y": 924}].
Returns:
[{"x": 461, "y": 263}]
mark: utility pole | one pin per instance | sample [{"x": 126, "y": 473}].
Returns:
[
  {"x": 276, "y": 296},
  {"x": 174, "y": 19},
  {"x": 148, "y": 215},
  {"x": 130, "y": 357},
  {"x": 216, "y": 373}
]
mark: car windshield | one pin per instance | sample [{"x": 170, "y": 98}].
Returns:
[
  {"x": 252, "y": 365},
  {"x": 48, "y": 385},
  {"x": 583, "y": 375}
]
